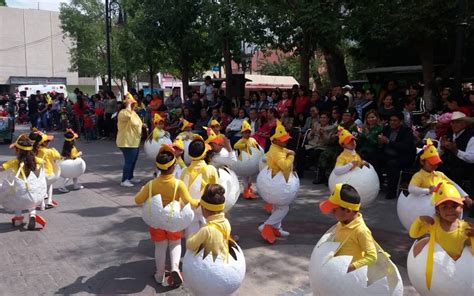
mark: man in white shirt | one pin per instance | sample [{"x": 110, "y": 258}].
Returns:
[{"x": 207, "y": 91}]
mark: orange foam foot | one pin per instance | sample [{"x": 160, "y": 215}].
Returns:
[
  {"x": 268, "y": 207},
  {"x": 268, "y": 234}
]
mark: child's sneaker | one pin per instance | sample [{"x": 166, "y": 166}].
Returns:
[
  {"x": 78, "y": 187},
  {"x": 17, "y": 221},
  {"x": 176, "y": 278},
  {"x": 63, "y": 189}
]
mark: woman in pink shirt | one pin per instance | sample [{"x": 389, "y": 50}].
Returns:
[
  {"x": 284, "y": 103},
  {"x": 301, "y": 102},
  {"x": 264, "y": 131}
]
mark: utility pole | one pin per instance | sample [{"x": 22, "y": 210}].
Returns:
[
  {"x": 458, "y": 55},
  {"x": 107, "y": 36}
]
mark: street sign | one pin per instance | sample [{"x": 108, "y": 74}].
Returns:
[{"x": 215, "y": 69}]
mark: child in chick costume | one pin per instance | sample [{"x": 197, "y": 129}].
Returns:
[
  {"x": 246, "y": 143},
  {"x": 348, "y": 159},
  {"x": 351, "y": 231},
  {"x": 70, "y": 152},
  {"x": 427, "y": 178},
  {"x": 186, "y": 130},
  {"x": 446, "y": 229},
  {"x": 279, "y": 159},
  {"x": 170, "y": 189},
  {"x": 23, "y": 164},
  {"x": 217, "y": 156},
  {"x": 159, "y": 125}
]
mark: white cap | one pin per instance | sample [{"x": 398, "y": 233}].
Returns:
[
  {"x": 347, "y": 86},
  {"x": 461, "y": 116}
]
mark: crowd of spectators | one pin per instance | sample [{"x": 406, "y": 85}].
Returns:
[{"x": 388, "y": 124}]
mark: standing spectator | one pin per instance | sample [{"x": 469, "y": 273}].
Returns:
[
  {"x": 409, "y": 105},
  {"x": 128, "y": 140},
  {"x": 42, "y": 113},
  {"x": 194, "y": 105},
  {"x": 370, "y": 103},
  {"x": 457, "y": 150},
  {"x": 174, "y": 101},
  {"x": 22, "y": 111},
  {"x": 387, "y": 108},
  {"x": 247, "y": 106},
  {"x": 110, "y": 107},
  {"x": 414, "y": 93},
  {"x": 99, "y": 110},
  {"x": 338, "y": 99},
  {"x": 207, "y": 91},
  {"x": 89, "y": 128},
  {"x": 301, "y": 102},
  {"x": 324, "y": 144},
  {"x": 398, "y": 151},
  {"x": 368, "y": 135},
  {"x": 347, "y": 92},
  {"x": 80, "y": 108},
  {"x": 284, "y": 103}
]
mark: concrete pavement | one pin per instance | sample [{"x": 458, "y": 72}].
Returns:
[{"x": 95, "y": 241}]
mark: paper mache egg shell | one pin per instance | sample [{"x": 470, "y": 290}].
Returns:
[
  {"x": 72, "y": 168},
  {"x": 262, "y": 163},
  {"x": 152, "y": 147},
  {"x": 364, "y": 180},
  {"x": 276, "y": 190},
  {"x": 330, "y": 277},
  {"x": 204, "y": 277},
  {"x": 247, "y": 165},
  {"x": 170, "y": 218},
  {"x": 186, "y": 157},
  {"x": 229, "y": 180},
  {"x": 55, "y": 177},
  {"x": 449, "y": 277},
  {"x": 411, "y": 206},
  {"x": 15, "y": 195}
]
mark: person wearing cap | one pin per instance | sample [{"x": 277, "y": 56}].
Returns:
[
  {"x": 186, "y": 130},
  {"x": 246, "y": 143},
  {"x": 159, "y": 127},
  {"x": 178, "y": 146},
  {"x": 425, "y": 180},
  {"x": 70, "y": 152},
  {"x": 216, "y": 126},
  {"x": 279, "y": 159},
  {"x": 49, "y": 155},
  {"x": 446, "y": 229},
  {"x": 348, "y": 93},
  {"x": 457, "y": 149},
  {"x": 348, "y": 120},
  {"x": 348, "y": 159},
  {"x": 216, "y": 156},
  {"x": 27, "y": 162},
  {"x": 128, "y": 139},
  {"x": 170, "y": 189},
  {"x": 351, "y": 231}
]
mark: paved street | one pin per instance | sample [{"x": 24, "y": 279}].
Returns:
[{"x": 95, "y": 241}]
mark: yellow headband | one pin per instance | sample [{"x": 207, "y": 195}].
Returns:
[
  {"x": 25, "y": 148},
  {"x": 200, "y": 156},
  {"x": 212, "y": 207},
  {"x": 167, "y": 165}
]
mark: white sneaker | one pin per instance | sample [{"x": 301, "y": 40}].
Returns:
[
  {"x": 260, "y": 228},
  {"x": 283, "y": 232},
  {"x": 63, "y": 189},
  {"x": 126, "y": 183},
  {"x": 135, "y": 180},
  {"x": 78, "y": 187}
]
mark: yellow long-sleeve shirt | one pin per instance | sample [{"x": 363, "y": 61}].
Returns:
[
  {"x": 165, "y": 185},
  {"x": 426, "y": 179},
  {"x": 74, "y": 153},
  {"x": 452, "y": 242},
  {"x": 357, "y": 241},
  {"x": 347, "y": 156},
  {"x": 14, "y": 165},
  {"x": 186, "y": 135},
  {"x": 209, "y": 172},
  {"x": 129, "y": 129},
  {"x": 210, "y": 237},
  {"x": 245, "y": 144},
  {"x": 279, "y": 160},
  {"x": 49, "y": 155}
]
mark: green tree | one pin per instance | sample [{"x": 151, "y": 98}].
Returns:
[{"x": 3, "y": 3}]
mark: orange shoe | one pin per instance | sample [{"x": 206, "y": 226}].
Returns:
[
  {"x": 248, "y": 194},
  {"x": 268, "y": 234},
  {"x": 40, "y": 220},
  {"x": 268, "y": 207}
]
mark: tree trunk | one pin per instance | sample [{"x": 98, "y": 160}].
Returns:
[
  {"x": 336, "y": 66},
  {"x": 305, "y": 58},
  {"x": 150, "y": 71},
  {"x": 425, "y": 52},
  {"x": 104, "y": 82},
  {"x": 128, "y": 80},
  {"x": 227, "y": 67},
  {"x": 185, "y": 75}
]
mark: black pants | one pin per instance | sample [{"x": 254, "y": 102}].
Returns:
[{"x": 392, "y": 166}]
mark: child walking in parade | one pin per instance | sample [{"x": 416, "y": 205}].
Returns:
[
  {"x": 70, "y": 152},
  {"x": 245, "y": 144},
  {"x": 170, "y": 189},
  {"x": 24, "y": 164}
]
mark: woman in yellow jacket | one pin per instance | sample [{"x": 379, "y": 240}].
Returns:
[{"x": 128, "y": 139}]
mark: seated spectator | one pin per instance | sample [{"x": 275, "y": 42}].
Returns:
[
  {"x": 370, "y": 103},
  {"x": 460, "y": 105},
  {"x": 312, "y": 119},
  {"x": 233, "y": 129},
  {"x": 247, "y": 106},
  {"x": 194, "y": 105},
  {"x": 254, "y": 120},
  {"x": 262, "y": 103},
  {"x": 414, "y": 92},
  {"x": 215, "y": 115},
  {"x": 457, "y": 150},
  {"x": 335, "y": 116},
  {"x": 174, "y": 101},
  {"x": 409, "y": 105},
  {"x": 203, "y": 120},
  {"x": 348, "y": 121},
  {"x": 254, "y": 99},
  {"x": 284, "y": 103},
  {"x": 398, "y": 152},
  {"x": 272, "y": 99},
  {"x": 323, "y": 148},
  {"x": 188, "y": 116},
  {"x": 428, "y": 127},
  {"x": 387, "y": 108},
  {"x": 287, "y": 119},
  {"x": 367, "y": 141},
  {"x": 225, "y": 119},
  {"x": 315, "y": 101},
  {"x": 264, "y": 132}
]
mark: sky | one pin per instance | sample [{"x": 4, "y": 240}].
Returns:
[{"x": 43, "y": 4}]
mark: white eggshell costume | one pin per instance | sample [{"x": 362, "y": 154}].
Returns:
[
  {"x": 72, "y": 168},
  {"x": 247, "y": 165},
  {"x": 449, "y": 277},
  {"x": 205, "y": 277},
  {"x": 17, "y": 194},
  {"x": 364, "y": 180},
  {"x": 328, "y": 273},
  {"x": 411, "y": 206},
  {"x": 152, "y": 147},
  {"x": 276, "y": 190},
  {"x": 171, "y": 218},
  {"x": 51, "y": 179}
]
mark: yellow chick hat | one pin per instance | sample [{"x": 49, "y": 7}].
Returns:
[
  {"x": 344, "y": 135},
  {"x": 430, "y": 153},
  {"x": 214, "y": 123},
  {"x": 335, "y": 201},
  {"x": 70, "y": 135},
  {"x": 185, "y": 124},
  {"x": 245, "y": 127},
  {"x": 280, "y": 133},
  {"x": 157, "y": 118},
  {"x": 446, "y": 191},
  {"x": 212, "y": 137},
  {"x": 130, "y": 98},
  {"x": 21, "y": 147},
  {"x": 178, "y": 143}
]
